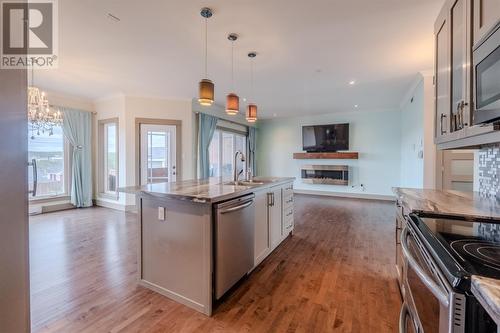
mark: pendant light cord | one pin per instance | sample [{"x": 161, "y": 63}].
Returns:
[
  {"x": 251, "y": 78},
  {"x": 232, "y": 65},
  {"x": 206, "y": 48}
]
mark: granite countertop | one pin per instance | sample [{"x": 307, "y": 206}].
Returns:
[
  {"x": 487, "y": 291},
  {"x": 468, "y": 205},
  {"x": 204, "y": 190}
]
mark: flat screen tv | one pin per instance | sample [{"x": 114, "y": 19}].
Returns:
[{"x": 325, "y": 138}]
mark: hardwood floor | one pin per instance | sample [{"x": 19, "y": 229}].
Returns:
[{"x": 335, "y": 274}]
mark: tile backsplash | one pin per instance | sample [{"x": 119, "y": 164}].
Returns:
[{"x": 489, "y": 171}]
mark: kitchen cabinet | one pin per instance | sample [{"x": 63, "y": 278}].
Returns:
[
  {"x": 262, "y": 240},
  {"x": 458, "y": 25},
  {"x": 274, "y": 219},
  {"x": 453, "y": 75},
  {"x": 275, "y": 216},
  {"x": 486, "y": 16},
  {"x": 288, "y": 209},
  {"x": 442, "y": 74}
]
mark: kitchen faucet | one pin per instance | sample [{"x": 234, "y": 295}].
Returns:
[{"x": 236, "y": 174}]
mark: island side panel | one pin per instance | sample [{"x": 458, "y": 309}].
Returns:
[{"x": 175, "y": 254}]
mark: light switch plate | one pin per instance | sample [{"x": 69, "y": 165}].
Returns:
[{"x": 161, "y": 213}]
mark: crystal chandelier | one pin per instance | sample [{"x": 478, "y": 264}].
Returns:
[{"x": 41, "y": 117}]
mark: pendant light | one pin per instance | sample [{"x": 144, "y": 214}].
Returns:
[
  {"x": 232, "y": 100},
  {"x": 251, "y": 115},
  {"x": 206, "y": 95}
]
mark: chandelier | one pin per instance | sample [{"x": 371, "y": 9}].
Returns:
[{"x": 41, "y": 117}]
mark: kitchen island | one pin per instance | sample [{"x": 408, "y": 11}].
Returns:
[{"x": 179, "y": 237}]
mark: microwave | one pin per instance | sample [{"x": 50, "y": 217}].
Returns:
[{"x": 486, "y": 85}]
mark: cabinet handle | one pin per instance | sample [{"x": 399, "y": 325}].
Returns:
[{"x": 441, "y": 122}]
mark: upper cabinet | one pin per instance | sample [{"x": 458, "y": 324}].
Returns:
[
  {"x": 459, "y": 25},
  {"x": 486, "y": 16},
  {"x": 453, "y": 44}
]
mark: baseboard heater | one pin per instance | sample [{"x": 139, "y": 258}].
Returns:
[{"x": 325, "y": 174}]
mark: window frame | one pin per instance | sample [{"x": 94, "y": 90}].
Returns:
[
  {"x": 219, "y": 130},
  {"x": 102, "y": 141},
  {"x": 67, "y": 166}
]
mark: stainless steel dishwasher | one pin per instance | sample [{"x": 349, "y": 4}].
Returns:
[{"x": 234, "y": 241}]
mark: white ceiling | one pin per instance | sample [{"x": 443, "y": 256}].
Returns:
[{"x": 308, "y": 51}]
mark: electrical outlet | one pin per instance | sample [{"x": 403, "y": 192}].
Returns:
[{"x": 162, "y": 212}]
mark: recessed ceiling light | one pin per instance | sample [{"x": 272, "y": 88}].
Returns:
[
  {"x": 356, "y": 105},
  {"x": 352, "y": 82},
  {"x": 244, "y": 99}
]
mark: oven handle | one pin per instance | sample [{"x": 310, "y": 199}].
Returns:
[
  {"x": 405, "y": 312},
  {"x": 426, "y": 279}
]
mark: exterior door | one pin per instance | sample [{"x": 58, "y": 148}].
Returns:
[
  {"x": 458, "y": 170},
  {"x": 158, "y": 153}
]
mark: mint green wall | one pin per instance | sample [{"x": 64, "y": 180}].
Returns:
[
  {"x": 412, "y": 139},
  {"x": 375, "y": 135}
]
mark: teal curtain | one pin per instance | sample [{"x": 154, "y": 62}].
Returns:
[
  {"x": 77, "y": 127},
  {"x": 252, "y": 141},
  {"x": 206, "y": 129}
]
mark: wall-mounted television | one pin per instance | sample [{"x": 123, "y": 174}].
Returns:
[{"x": 325, "y": 138}]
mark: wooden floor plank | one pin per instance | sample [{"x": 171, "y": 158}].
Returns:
[{"x": 336, "y": 273}]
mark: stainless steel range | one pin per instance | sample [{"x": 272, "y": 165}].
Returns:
[{"x": 441, "y": 255}]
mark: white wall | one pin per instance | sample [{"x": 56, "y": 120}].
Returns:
[
  {"x": 418, "y": 151},
  {"x": 127, "y": 109},
  {"x": 375, "y": 135}
]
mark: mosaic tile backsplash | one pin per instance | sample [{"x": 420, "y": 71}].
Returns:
[{"x": 489, "y": 171}]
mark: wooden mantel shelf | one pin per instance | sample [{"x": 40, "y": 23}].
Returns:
[{"x": 322, "y": 156}]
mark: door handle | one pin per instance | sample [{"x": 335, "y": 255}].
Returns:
[
  {"x": 233, "y": 209},
  {"x": 441, "y": 122},
  {"x": 424, "y": 277},
  {"x": 35, "y": 177},
  {"x": 405, "y": 312}
]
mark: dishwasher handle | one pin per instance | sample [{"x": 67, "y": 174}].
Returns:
[{"x": 239, "y": 207}]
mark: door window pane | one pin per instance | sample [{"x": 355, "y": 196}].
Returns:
[
  {"x": 221, "y": 154},
  {"x": 227, "y": 154},
  {"x": 48, "y": 151},
  {"x": 158, "y": 157},
  {"x": 214, "y": 155}
]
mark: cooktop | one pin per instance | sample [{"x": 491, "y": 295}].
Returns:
[{"x": 462, "y": 248}]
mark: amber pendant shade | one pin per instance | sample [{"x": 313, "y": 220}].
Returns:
[
  {"x": 206, "y": 96},
  {"x": 232, "y": 104},
  {"x": 251, "y": 113}
]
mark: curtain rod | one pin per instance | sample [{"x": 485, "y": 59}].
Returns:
[
  {"x": 229, "y": 121},
  {"x": 59, "y": 106}
]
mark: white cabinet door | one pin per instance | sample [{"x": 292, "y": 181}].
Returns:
[
  {"x": 274, "y": 213},
  {"x": 262, "y": 240},
  {"x": 486, "y": 15}
]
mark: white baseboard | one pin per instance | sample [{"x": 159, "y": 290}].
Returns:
[
  {"x": 115, "y": 205},
  {"x": 347, "y": 195},
  {"x": 49, "y": 207}
]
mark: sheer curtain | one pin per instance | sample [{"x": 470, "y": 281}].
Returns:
[
  {"x": 77, "y": 127},
  {"x": 206, "y": 130}
]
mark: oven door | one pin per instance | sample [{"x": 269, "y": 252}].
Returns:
[
  {"x": 486, "y": 79},
  {"x": 427, "y": 295}
]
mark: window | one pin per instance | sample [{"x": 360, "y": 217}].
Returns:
[
  {"x": 221, "y": 153},
  {"x": 50, "y": 154},
  {"x": 108, "y": 168}
]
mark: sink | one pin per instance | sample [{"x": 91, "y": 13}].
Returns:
[{"x": 245, "y": 183}]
